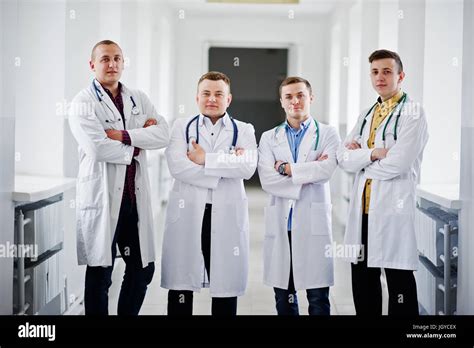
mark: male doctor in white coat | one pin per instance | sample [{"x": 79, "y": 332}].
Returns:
[
  {"x": 206, "y": 240},
  {"x": 384, "y": 150},
  {"x": 296, "y": 161},
  {"x": 113, "y": 126}
]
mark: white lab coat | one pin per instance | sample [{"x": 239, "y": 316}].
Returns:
[
  {"x": 182, "y": 265},
  {"x": 391, "y": 229},
  {"x": 102, "y": 169},
  {"x": 308, "y": 190}
]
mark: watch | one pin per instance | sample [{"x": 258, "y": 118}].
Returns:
[{"x": 282, "y": 167}]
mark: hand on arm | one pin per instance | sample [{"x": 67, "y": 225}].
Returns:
[
  {"x": 239, "y": 151},
  {"x": 321, "y": 157},
  {"x": 378, "y": 154},
  {"x": 287, "y": 167},
  {"x": 353, "y": 145},
  {"x": 197, "y": 155},
  {"x": 150, "y": 122},
  {"x": 114, "y": 134}
]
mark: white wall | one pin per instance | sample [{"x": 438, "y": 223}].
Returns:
[
  {"x": 442, "y": 80},
  {"x": 8, "y": 24},
  {"x": 411, "y": 46},
  {"x": 196, "y": 33},
  {"x": 41, "y": 76},
  {"x": 389, "y": 17},
  {"x": 466, "y": 237},
  {"x": 354, "y": 60},
  {"x": 337, "y": 99}
]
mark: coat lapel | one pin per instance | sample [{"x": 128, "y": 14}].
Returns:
[
  {"x": 225, "y": 135},
  {"x": 282, "y": 143},
  {"x": 127, "y": 104},
  {"x": 203, "y": 133},
  {"x": 366, "y": 130},
  {"x": 106, "y": 99},
  {"x": 307, "y": 144}
]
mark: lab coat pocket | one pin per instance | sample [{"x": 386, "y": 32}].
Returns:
[
  {"x": 175, "y": 204},
  {"x": 271, "y": 221},
  {"x": 321, "y": 220},
  {"x": 90, "y": 191}
]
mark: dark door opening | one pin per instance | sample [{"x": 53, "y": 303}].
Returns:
[{"x": 255, "y": 74}]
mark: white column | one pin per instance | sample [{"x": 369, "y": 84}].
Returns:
[
  {"x": 8, "y": 52},
  {"x": 389, "y": 16},
  {"x": 442, "y": 90},
  {"x": 110, "y": 20},
  {"x": 128, "y": 41},
  {"x": 370, "y": 42},
  {"x": 144, "y": 34},
  {"x": 465, "y": 298},
  {"x": 354, "y": 61},
  {"x": 335, "y": 65},
  {"x": 411, "y": 45},
  {"x": 40, "y": 88}
]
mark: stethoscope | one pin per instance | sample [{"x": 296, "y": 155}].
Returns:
[
  {"x": 317, "y": 132},
  {"x": 196, "y": 118},
  {"x": 100, "y": 96},
  {"x": 399, "y": 107}
]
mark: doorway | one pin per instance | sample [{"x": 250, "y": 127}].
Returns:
[{"x": 255, "y": 74}]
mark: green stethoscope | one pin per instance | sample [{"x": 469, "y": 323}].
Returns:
[
  {"x": 317, "y": 132},
  {"x": 399, "y": 107}
]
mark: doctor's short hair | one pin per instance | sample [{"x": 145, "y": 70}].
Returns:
[
  {"x": 295, "y": 79},
  {"x": 382, "y": 54},
  {"x": 215, "y": 76},
  {"x": 103, "y": 42}
]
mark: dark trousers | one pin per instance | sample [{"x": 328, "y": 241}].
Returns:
[
  {"x": 180, "y": 302},
  {"x": 367, "y": 289},
  {"x": 136, "y": 278},
  {"x": 287, "y": 301}
]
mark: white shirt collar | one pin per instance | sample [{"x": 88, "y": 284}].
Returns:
[
  {"x": 224, "y": 119},
  {"x": 304, "y": 125}
]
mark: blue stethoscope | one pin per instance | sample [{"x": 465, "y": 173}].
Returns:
[
  {"x": 317, "y": 132},
  {"x": 100, "y": 96},
  {"x": 399, "y": 107},
  {"x": 196, "y": 118}
]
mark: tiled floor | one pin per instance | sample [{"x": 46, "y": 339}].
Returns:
[{"x": 258, "y": 298}]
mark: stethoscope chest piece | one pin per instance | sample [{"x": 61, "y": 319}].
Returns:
[{"x": 135, "y": 110}]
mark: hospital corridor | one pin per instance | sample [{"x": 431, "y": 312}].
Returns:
[{"x": 249, "y": 158}]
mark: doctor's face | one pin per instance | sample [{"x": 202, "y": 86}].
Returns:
[
  {"x": 213, "y": 98},
  {"x": 385, "y": 77},
  {"x": 107, "y": 64},
  {"x": 296, "y": 99}
]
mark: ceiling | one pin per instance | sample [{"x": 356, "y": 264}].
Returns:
[{"x": 300, "y": 8}]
